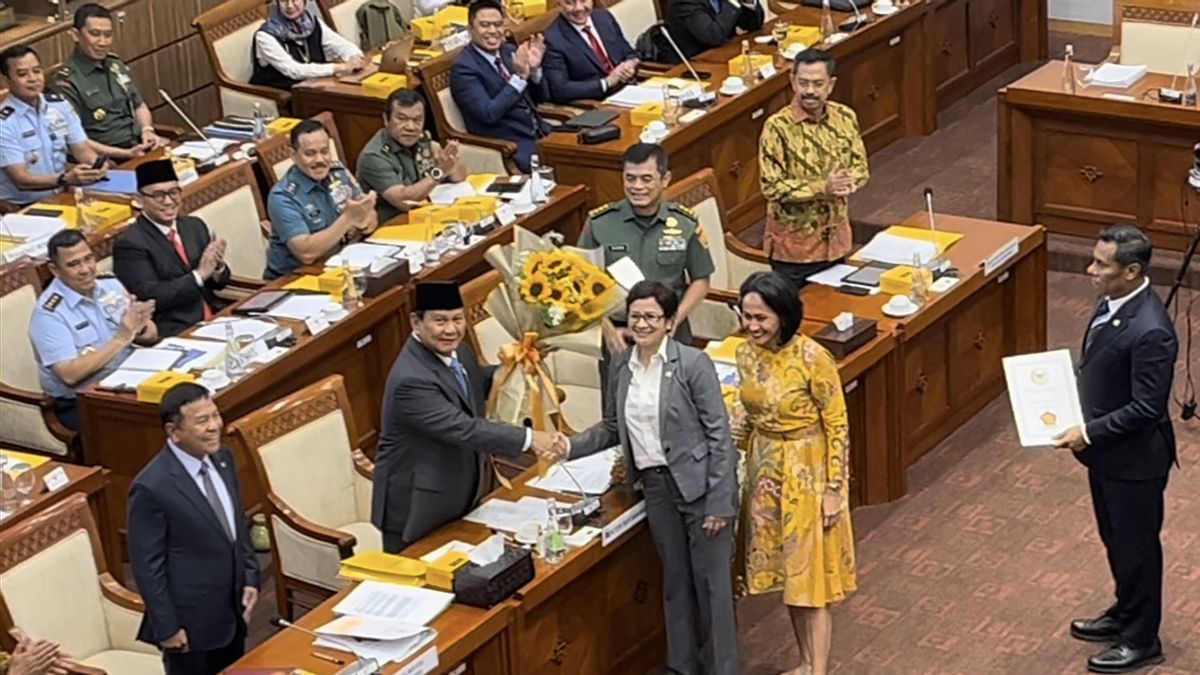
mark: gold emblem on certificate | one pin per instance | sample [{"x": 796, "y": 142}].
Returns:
[
  {"x": 1049, "y": 419},
  {"x": 1039, "y": 376}
]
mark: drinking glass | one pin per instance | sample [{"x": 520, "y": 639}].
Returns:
[
  {"x": 24, "y": 482},
  {"x": 358, "y": 276},
  {"x": 779, "y": 31},
  {"x": 430, "y": 249},
  {"x": 547, "y": 174},
  {"x": 561, "y": 513},
  {"x": 9, "y": 499}
]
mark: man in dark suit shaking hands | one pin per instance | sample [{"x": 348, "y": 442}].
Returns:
[
  {"x": 430, "y": 467},
  {"x": 188, "y": 543},
  {"x": 1127, "y": 443},
  {"x": 168, "y": 257}
]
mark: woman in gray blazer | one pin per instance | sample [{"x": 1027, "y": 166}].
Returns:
[{"x": 667, "y": 414}]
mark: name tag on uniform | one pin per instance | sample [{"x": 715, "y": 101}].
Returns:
[
  {"x": 618, "y": 248},
  {"x": 82, "y": 326},
  {"x": 29, "y": 134},
  {"x": 667, "y": 244}
]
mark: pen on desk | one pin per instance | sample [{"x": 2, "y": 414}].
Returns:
[{"x": 330, "y": 659}]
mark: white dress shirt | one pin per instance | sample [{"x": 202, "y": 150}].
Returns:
[
  {"x": 268, "y": 50},
  {"x": 641, "y": 409},
  {"x": 192, "y": 466}
]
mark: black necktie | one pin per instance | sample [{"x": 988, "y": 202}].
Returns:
[
  {"x": 1094, "y": 327},
  {"x": 210, "y": 493}
]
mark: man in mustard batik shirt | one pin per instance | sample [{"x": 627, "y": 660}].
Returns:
[{"x": 812, "y": 159}]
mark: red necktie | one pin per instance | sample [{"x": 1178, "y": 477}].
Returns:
[
  {"x": 178, "y": 244},
  {"x": 502, "y": 70},
  {"x": 604, "y": 62}
]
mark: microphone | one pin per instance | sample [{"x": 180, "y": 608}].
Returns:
[
  {"x": 218, "y": 157},
  {"x": 858, "y": 21},
  {"x": 706, "y": 98},
  {"x": 587, "y": 504},
  {"x": 360, "y": 666},
  {"x": 935, "y": 264}
]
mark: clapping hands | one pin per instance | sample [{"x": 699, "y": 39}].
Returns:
[
  {"x": 550, "y": 446},
  {"x": 528, "y": 57}
]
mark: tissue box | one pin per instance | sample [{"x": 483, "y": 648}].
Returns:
[
  {"x": 282, "y": 125},
  {"x": 486, "y": 585},
  {"x": 843, "y": 343},
  {"x": 450, "y": 16},
  {"x": 899, "y": 279},
  {"x": 475, "y": 209},
  {"x": 533, "y": 7},
  {"x": 646, "y": 113},
  {"x": 103, "y": 215},
  {"x": 436, "y": 216},
  {"x": 421, "y": 232},
  {"x": 805, "y": 35},
  {"x": 425, "y": 28},
  {"x": 381, "y": 85},
  {"x": 756, "y": 61},
  {"x": 394, "y": 274},
  {"x": 332, "y": 281},
  {"x": 153, "y": 388},
  {"x": 440, "y": 573}
]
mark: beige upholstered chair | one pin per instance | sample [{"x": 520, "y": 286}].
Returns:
[
  {"x": 275, "y": 151},
  {"x": 228, "y": 201},
  {"x": 318, "y": 487},
  {"x": 482, "y": 155},
  {"x": 1155, "y": 33},
  {"x": 26, "y": 413},
  {"x": 227, "y": 31},
  {"x": 578, "y": 376},
  {"x": 733, "y": 260},
  {"x": 634, "y": 16},
  {"x": 340, "y": 15},
  {"x": 55, "y": 586}
]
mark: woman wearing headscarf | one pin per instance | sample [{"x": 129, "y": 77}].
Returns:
[{"x": 295, "y": 44}]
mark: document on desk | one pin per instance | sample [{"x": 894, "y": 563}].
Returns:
[
  {"x": 411, "y": 604},
  {"x": 1043, "y": 395},
  {"x": 300, "y": 306},
  {"x": 151, "y": 359},
  {"x": 361, "y": 254},
  {"x": 124, "y": 380},
  {"x": 896, "y": 250},
  {"x": 349, "y": 633},
  {"x": 448, "y": 193},
  {"x": 506, "y": 516},
  {"x": 215, "y": 330},
  {"x": 635, "y": 95},
  {"x": 197, "y": 354},
  {"x": 592, "y": 475}
]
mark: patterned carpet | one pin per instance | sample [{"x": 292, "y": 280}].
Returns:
[{"x": 980, "y": 568}]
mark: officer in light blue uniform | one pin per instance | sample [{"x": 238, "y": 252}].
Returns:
[
  {"x": 79, "y": 314},
  {"x": 39, "y": 132}
]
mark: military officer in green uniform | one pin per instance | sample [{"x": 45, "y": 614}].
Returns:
[
  {"x": 401, "y": 163},
  {"x": 663, "y": 238},
  {"x": 100, "y": 87}
]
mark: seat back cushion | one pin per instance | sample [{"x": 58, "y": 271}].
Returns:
[
  {"x": 1162, "y": 48},
  {"x": 634, "y": 17},
  {"x": 310, "y": 469},
  {"x": 234, "y": 218},
  {"x": 714, "y": 230},
  {"x": 233, "y": 52},
  {"x": 18, "y": 365},
  {"x": 450, "y": 109}
]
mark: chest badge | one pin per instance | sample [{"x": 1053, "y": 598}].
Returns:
[{"x": 99, "y": 114}]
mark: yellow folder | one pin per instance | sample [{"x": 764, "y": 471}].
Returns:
[{"x": 942, "y": 240}]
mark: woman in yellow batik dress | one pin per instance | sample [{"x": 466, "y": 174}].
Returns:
[{"x": 797, "y": 526}]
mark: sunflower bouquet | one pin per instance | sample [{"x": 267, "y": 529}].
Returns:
[{"x": 549, "y": 298}]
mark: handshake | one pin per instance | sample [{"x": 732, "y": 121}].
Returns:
[{"x": 550, "y": 446}]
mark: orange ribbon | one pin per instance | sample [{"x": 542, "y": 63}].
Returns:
[{"x": 526, "y": 358}]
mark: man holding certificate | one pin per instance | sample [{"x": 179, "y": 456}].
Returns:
[{"x": 1127, "y": 443}]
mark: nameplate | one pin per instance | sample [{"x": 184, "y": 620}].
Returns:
[
  {"x": 56, "y": 479},
  {"x": 767, "y": 72},
  {"x": 452, "y": 42},
  {"x": 944, "y": 284},
  {"x": 623, "y": 523},
  {"x": 316, "y": 324},
  {"x": 1002, "y": 255},
  {"x": 692, "y": 116},
  {"x": 425, "y": 663},
  {"x": 363, "y": 341}
]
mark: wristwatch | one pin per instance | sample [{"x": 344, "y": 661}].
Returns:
[
  {"x": 437, "y": 174},
  {"x": 62, "y": 179}
]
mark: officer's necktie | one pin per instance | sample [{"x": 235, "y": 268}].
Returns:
[
  {"x": 716, "y": 6},
  {"x": 461, "y": 375},
  {"x": 210, "y": 492},
  {"x": 178, "y": 244},
  {"x": 1098, "y": 320}
]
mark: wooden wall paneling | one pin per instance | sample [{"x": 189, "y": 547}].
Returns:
[
  {"x": 992, "y": 31},
  {"x": 1168, "y": 168},
  {"x": 948, "y": 44},
  {"x": 134, "y": 30},
  {"x": 183, "y": 67},
  {"x": 147, "y": 78},
  {"x": 173, "y": 19},
  {"x": 203, "y": 106}
]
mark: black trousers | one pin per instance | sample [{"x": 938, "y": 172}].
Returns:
[
  {"x": 1129, "y": 515},
  {"x": 209, "y": 662},
  {"x": 798, "y": 273},
  {"x": 393, "y": 542},
  {"x": 67, "y": 411}
]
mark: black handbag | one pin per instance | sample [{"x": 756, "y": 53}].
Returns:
[{"x": 486, "y": 585}]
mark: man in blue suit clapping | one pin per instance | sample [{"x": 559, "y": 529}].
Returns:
[
  {"x": 587, "y": 55},
  {"x": 497, "y": 86}
]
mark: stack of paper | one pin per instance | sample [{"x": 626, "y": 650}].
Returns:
[
  {"x": 897, "y": 250},
  {"x": 448, "y": 193},
  {"x": 255, "y": 328},
  {"x": 25, "y": 235},
  {"x": 140, "y": 365},
  {"x": 384, "y": 640},
  {"x": 506, "y": 516},
  {"x": 197, "y": 354},
  {"x": 300, "y": 306},
  {"x": 635, "y": 95},
  {"x": 384, "y": 567},
  {"x": 590, "y": 475},
  {"x": 410, "y": 604},
  {"x": 201, "y": 151},
  {"x": 1117, "y": 75},
  {"x": 362, "y": 254}
]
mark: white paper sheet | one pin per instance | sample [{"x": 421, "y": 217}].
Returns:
[
  {"x": 198, "y": 354},
  {"x": 452, "y": 545},
  {"x": 151, "y": 359},
  {"x": 300, "y": 306},
  {"x": 447, "y": 193},
  {"x": 1117, "y": 75},
  {"x": 367, "y": 628},
  {"x": 833, "y": 275},
  {"x": 1043, "y": 395},
  {"x": 215, "y": 330},
  {"x": 383, "y": 651},
  {"x": 593, "y": 473},
  {"x": 201, "y": 151},
  {"x": 361, "y": 254},
  {"x": 124, "y": 380},
  {"x": 626, "y": 272},
  {"x": 410, "y": 604},
  {"x": 889, "y": 248},
  {"x": 506, "y": 516},
  {"x": 635, "y": 95},
  {"x": 30, "y": 227}
]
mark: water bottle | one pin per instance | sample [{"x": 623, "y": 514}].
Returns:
[
  {"x": 554, "y": 547},
  {"x": 234, "y": 368},
  {"x": 537, "y": 189},
  {"x": 260, "y": 127}
]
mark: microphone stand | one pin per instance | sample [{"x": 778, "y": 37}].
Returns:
[
  {"x": 706, "y": 98},
  {"x": 360, "y": 666},
  {"x": 857, "y": 21}
]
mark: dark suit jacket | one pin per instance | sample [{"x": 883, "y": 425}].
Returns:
[
  {"x": 572, "y": 69},
  {"x": 146, "y": 263},
  {"x": 1125, "y": 387},
  {"x": 189, "y": 574},
  {"x": 697, "y": 28},
  {"x": 429, "y": 470},
  {"x": 694, "y": 427},
  {"x": 493, "y": 108}
]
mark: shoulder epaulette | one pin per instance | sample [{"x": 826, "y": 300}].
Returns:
[
  {"x": 52, "y": 95},
  {"x": 52, "y": 302},
  {"x": 291, "y": 188},
  {"x": 6, "y": 112},
  {"x": 63, "y": 71},
  {"x": 600, "y": 210},
  {"x": 680, "y": 208}
]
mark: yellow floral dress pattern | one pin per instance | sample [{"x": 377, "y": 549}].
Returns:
[{"x": 797, "y": 438}]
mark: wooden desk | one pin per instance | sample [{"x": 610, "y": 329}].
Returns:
[
  {"x": 86, "y": 480},
  {"x": 599, "y": 612},
  {"x": 1080, "y": 162},
  {"x": 946, "y": 363},
  {"x": 123, "y": 434}
]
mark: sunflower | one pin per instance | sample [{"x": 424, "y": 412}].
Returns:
[
  {"x": 597, "y": 283},
  {"x": 590, "y": 311},
  {"x": 535, "y": 288},
  {"x": 535, "y": 263}
]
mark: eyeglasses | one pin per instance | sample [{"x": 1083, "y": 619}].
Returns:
[
  {"x": 162, "y": 195},
  {"x": 650, "y": 319}
]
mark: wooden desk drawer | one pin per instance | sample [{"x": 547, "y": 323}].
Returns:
[{"x": 948, "y": 44}]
